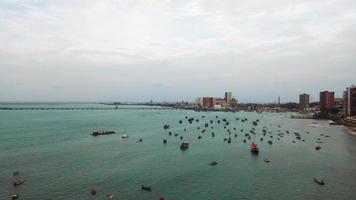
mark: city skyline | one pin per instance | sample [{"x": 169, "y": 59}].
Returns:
[{"x": 172, "y": 51}]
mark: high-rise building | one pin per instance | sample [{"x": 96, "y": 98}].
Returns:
[
  {"x": 228, "y": 96},
  {"x": 326, "y": 100},
  {"x": 349, "y": 107},
  {"x": 304, "y": 101}
]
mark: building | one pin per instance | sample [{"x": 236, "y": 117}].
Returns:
[
  {"x": 327, "y": 100},
  {"x": 221, "y": 102},
  {"x": 208, "y": 102},
  {"x": 304, "y": 101},
  {"x": 349, "y": 107},
  {"x": 228, "y": 97},
  {"x": 199, "y": 101},
  {"x": 211, "y": 102}
]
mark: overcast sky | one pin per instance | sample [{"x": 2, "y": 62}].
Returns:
[{"x": 130, "y": 50}]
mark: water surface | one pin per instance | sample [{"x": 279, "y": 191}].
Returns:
[{"x": 58, "y": 158}]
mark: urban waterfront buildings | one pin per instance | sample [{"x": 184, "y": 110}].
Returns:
[
  {"x": 349, "y": 107},
  {"x": 304, "y": 101},
  {"x": 327, "y": 100},
  {"x": 210, "y": 102}
]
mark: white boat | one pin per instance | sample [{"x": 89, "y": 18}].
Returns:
[{"x": 125, "y": 136}]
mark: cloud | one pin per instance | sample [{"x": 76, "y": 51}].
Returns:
[{"x": 175, "y": 49}]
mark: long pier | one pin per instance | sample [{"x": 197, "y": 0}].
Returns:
[{"x": 87, "y": 108}]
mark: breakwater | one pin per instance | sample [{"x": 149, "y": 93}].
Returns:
[{"x": 87, "y": 108}]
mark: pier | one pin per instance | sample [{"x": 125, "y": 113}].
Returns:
[{"x": 87, "y": 108}]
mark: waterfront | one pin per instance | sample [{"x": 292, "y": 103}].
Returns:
[{"x": 58, "y": 158}]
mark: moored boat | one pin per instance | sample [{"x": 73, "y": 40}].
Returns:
[
  {"x": 14, "y": 196},
  {"x": 319, "y": 181},
  {"x": 18, "y": 182},
  {"x": 125, "y": 136},
  {"x": 97, "y": 133},
  {"x": 254, "y": 148},
  {"x": 146, "y": 188},
  {"x": 184, "y": 145}
]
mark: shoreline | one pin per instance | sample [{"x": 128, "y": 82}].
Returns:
[{"x": 350, "y": 130}]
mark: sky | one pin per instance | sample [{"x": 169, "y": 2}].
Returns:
[{"x": 135, "y": 50}]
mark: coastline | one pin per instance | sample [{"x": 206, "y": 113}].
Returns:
[
  {"x": 350, "y": 124},
  {"x": 350, "y": 130}
]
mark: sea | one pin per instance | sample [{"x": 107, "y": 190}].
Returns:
[{"x": 57, "y": 157}]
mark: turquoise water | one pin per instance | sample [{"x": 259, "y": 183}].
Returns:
[{"x": 58, "y": 158}]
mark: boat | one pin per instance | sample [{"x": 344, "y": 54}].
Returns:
[
  {"x": 110, "y": 195},
  {"x": 14, "y": 196},
  {"x": 124, "y": 136},
  {"x": 254, "y": 148},
  {"x": 146, "y": 188},
  {"x": 98, "y": 133},
  {"x": 93, "y": 191},
  {"x": 213, "y": 163},
  {"x": 184, "y": 145},
  {"x": 18, "y": 182},
  {"x": 319, "y": 181},
  {"x": 267, "y": 160}
]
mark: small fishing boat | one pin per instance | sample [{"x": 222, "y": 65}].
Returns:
[
  {"x": 93, "y": 191},
  {"x": 98, "y": 133},
  {"x": 254, "y": 148},
  {"x": 14, "y": 196},
  {"x": 184, "y": 145},
  {"x": 319, "y": 181},
  {"x": 213, "y": 163},
  {"x": 146, "y": 188},
  {"x": 18, "y": 182},
  {"x": 110, "y": 195},
  {"x": 267, "y": 160},
  {"x": 124, "y": 136}
]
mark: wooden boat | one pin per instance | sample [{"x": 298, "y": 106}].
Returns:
[
  {"x": 98, "y": 133},
  {"x": 18, "y": 182},
  {"x": 184, "y": 145},
  {"x": 254, "y": 148},
  {"x": 319, "y": 181}
]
